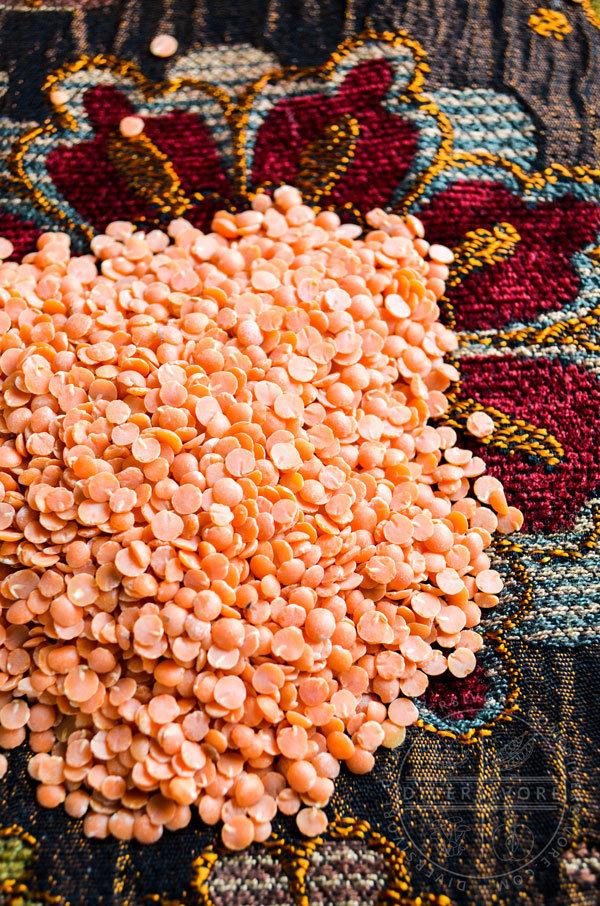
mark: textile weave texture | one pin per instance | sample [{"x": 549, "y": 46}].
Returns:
[{"x": 483, "y": 118}]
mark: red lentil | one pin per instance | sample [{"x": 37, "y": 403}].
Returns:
[
  {"x": 163, "y": 46},
  {"x": 130, "y": 126},
  {"x": 233, "y": 545}
]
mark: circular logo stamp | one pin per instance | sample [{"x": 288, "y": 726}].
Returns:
[{"x": 484, "y": 810}]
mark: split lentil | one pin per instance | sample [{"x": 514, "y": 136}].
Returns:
[
  {"x": 130, "y": 126},
  {"x": 164, "y": 46},
  {"x": 233, "y": 543}
]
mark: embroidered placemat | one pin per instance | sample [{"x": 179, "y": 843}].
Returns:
[{"x": 483, "y": 119}]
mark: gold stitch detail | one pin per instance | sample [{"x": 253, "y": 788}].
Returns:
[
  {"x": 479, "y": 248},
  {"x": 295, "y": 860},
  {"x": 148, "y": 171},
  {"x": 121, "y": 893},
  {"x": 550, "y": 23},
  {"x": 512, "y": 434},
  {"x": 589, "y": 541},
  {"x": 571, "y": 332},
  {"x": 323, "y": 163},
  {"x": 202, "y": 867},
  {"x": 589, "y": 11},
  {"x": 15, "y": 830},
  {"x": 536, "y": 180}
]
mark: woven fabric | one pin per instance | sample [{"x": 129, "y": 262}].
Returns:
[{"x": 483, "y": 119}]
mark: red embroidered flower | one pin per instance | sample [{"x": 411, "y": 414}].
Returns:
[
  {"x": 107, "y": 179},
  {"x": 565, "y": 400},
  {"x": 385, "y": 144},
  {"x": 537, "y": 276},
  {"x": 22, "y": 233}
]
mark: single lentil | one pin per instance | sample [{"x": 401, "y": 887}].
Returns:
[
  {"x": 130, "y": 126},
  {"x": 163, "y": 46}
]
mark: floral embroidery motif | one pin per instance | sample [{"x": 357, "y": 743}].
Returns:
[
  {"x": 296, "y": 870},
  {"x": 157, "y": 173},
  {"x": 372, "y": 168},
  {"x": 525, "y": 282},
  {"x": 539, "y": 242}
]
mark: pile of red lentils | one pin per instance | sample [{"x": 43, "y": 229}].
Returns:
[{"x": 232, "y": 545}]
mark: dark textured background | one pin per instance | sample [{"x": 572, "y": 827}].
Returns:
[{"x": 469, "y": 43}]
